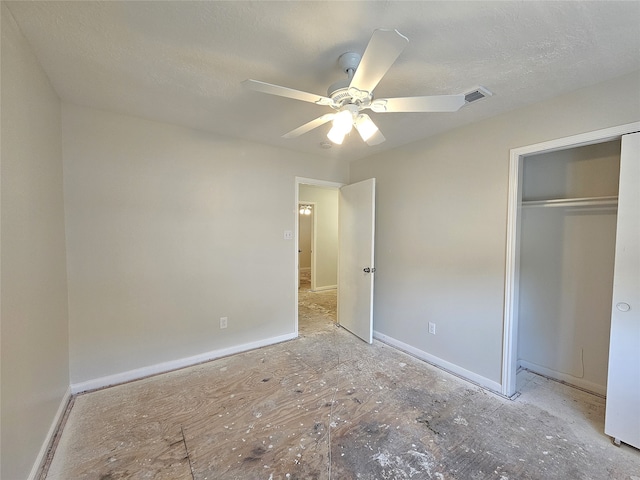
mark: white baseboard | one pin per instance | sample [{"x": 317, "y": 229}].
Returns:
[
  {"x": 440, "y": 363},
  {"x": 46, "y": 444},
  {"x": 326, "y": 287},
  {"x": 165, "y": 367},
  {"x": 563, "y": 377}
]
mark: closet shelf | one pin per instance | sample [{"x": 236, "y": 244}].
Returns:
[{"x": 611, "y": 201}]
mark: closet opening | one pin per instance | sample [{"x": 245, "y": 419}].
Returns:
[
  {"x": 561, "y": 234},
  {"x": 567, "y": 253}
]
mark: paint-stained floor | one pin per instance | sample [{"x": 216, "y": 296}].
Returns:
[{"x": 328, "y": 406}]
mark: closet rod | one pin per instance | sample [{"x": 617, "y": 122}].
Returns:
[{"x": 573, "y": 202}]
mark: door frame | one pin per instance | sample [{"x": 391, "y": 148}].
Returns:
[
  {"x": 316, "y": 183},
  {"x": 512, "y": 266}
]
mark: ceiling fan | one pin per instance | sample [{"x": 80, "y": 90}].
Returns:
[{"x": 351, "y": 96}]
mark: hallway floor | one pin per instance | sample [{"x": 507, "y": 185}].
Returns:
[{"x": 329, "y": 406}]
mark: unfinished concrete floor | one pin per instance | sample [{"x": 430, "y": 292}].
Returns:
[{"x": 328, "y": 406}]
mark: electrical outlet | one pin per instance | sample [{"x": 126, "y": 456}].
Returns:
[
  {"x": 432, "y": 328},
  {"x": 223, "y": 322}
]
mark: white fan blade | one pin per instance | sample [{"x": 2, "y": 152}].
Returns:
[
  {"x": 310, "y": 126},
  {"x": 436, "y": 103},
  {"x": 383, "y": 49},
  {"x": 286, "y": 92},
  {"x": 368, "y": 130}
]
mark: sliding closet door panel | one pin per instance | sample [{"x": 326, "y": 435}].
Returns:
[{"x": 623, "y": 387}]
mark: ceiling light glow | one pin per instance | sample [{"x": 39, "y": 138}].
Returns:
[
  {"x": 336, "y": 135},
  {"x": 365, "y": 126},
  {"x": 342, "y": 125}
]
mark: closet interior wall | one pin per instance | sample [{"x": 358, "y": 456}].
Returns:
[{"x": 567, "y": 252}]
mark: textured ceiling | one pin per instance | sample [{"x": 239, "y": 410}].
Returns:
[{"x": 182, "y": 62}]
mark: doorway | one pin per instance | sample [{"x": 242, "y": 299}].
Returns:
[
  {"x": 316, "y": 252},
  {"x": 514, "y": 237},
  {"x": 353, "y": 227}
]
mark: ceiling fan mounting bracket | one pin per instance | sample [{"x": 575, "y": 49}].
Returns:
[{"x": 349, "y": 61}]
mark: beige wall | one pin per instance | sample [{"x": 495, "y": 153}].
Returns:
[
  {"x": 326, "y": 218},
  {"x": 33, "y": 318},
  {"x": 169, "y": 229},
  {"x": 441, "y": 222}
]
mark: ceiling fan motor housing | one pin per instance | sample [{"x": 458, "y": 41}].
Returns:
[{"x": 338, "y": 91}]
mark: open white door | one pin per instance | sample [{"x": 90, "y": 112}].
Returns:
[
  {"x": 622, "y": 420},
  {"x": 356, "y": 219}
]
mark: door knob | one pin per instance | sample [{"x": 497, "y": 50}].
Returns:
[{"x": 369, "y": 270}]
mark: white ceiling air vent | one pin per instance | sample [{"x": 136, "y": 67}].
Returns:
[{"x": 478, "y": 93}]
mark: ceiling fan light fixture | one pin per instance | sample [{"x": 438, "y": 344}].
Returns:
[
  {"x": 342, "y": 125},
  {"x": 343, "y": 121},
  {"x": 365, "y": 126},
  {"x": 336, "y": 135},
  {"x": 305, "y": 209}
]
